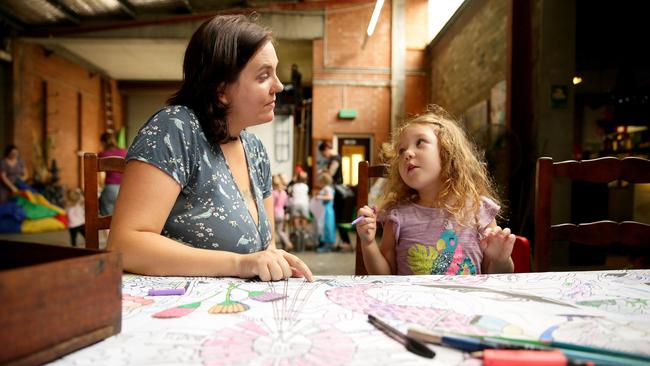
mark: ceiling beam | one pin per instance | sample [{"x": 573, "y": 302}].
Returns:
[
  {"x": 289, "y": 6},
  {"x": 66, "y": 11},
  {"x": 71, "y": 56},
  {"x": 11, "y": 21},
  {"x": 127, "y": 8},
  {"x": 188, "y": 6}
]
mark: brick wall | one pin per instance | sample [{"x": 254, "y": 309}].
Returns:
[
  {"x": 416, "y": 92},
  {"x": 55, "y": 98},
  {"x": 349, "y": 76},
  {"x": 469, "y": 56}
]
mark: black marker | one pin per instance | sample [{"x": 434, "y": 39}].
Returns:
[{"x": 410, "y": 343}]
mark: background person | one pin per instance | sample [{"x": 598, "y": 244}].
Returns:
[
  {"x": 280, "y": 200},
  {"x": 12, "y": 172},
  {"x": 299, "y": 211},
  {"x": 112, "y": 180},
  {"x": 341, "y": 192},
  {"x": 326, "y": 222},
  {"x": 74, "y": 209}
]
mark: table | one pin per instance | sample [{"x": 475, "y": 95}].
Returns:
[{"x": 229, "y": 321}]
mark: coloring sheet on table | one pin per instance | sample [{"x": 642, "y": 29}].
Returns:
[{"x": 227, "y": 321}]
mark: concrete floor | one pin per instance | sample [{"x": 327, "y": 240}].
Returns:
[{"x": 319, "y": 263}]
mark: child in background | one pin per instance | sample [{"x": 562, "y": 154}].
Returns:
[
  {"x": 327, "y": 223},
  {"x": 74, "y": 209},
  {"x": 280, "y": 199},
  {"x": 439, "y": 206},
  {"x": 299, "y": 207}
]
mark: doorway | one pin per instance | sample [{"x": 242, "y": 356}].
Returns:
[{"x": 353, "y": 150}]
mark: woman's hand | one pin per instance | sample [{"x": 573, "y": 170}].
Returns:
[
  {"x": 4, "y": 179},
  {"x": 367, "y": 227},
  {"x": 273, "y": 265}
]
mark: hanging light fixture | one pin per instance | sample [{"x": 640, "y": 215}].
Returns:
[{"x": 374, "y": 18}]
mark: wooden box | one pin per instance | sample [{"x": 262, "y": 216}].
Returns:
[{"x": 56, "y": 300}]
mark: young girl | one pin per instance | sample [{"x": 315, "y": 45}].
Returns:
[
  {"x": 439, "y": 206},
  {"x": 327, "y": 223},
  {"x": 280, "y": 199},
  {"x": 299, "y": 208},
  {"x": 74, "y": 209}
]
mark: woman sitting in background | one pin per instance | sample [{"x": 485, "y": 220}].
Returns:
[{"x": 12, "y": 172}]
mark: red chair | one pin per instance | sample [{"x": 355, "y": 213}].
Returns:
[
  {"x": 521, "y": 255},
  {"x": 520, "y": 252}
]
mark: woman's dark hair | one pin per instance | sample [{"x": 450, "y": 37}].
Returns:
[
  {"x": 9, "y": 149},
  {"x": 215, "y": 56},
  {"x": 324, "y": 145}
]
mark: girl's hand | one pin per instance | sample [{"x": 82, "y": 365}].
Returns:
[
  {"x": 367, "y": 227},
  {"x": 272, "y": 265},
  {"x": 497, "y": 244}
]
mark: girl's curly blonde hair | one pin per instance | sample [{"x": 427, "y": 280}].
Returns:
[{"x": 463, "y": 174}]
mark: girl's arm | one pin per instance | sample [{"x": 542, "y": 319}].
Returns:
[
  {"x": 140, "y": 214},
  {"x": 497, "y": 247},
  {"x": 325, "y": 197},
  {"x": 333, "y": 167},
  {"x": 377, "y": 260}
]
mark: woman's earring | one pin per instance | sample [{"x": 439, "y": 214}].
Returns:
[{"x": 222, "y": 98}]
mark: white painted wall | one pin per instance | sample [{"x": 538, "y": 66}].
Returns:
[{"x": 270, "y": 134}]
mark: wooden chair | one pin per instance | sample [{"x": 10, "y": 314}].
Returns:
[
  {"x": 365, "y": 173},
  {"x": 95, "y": 222},
  {"x": 520, "y": 252},
  {"x": 627, "y": 235}
]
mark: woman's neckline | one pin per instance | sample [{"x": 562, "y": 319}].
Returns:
[{"x": 240, "y": 139}]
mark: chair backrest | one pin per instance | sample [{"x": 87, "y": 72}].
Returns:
[
  {"x": 601, "y": 233},
  {"x": 520, "y": 252},
  {"x": 365, "y": 173},
  {"x": 92, "y": 166}
]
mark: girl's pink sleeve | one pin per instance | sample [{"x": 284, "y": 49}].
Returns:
[
  {"x": 390, "y": 214},
  {"x": 487, "y": 213}
]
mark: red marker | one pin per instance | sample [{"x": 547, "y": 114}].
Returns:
[{"x": 502, "y": 357}]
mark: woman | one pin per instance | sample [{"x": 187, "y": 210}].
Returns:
[
  {"x": 12, "y": 172},
  {"x": 113, "y": 179},
  {"x": 334, "y": 170},
  {"x": 196, "y": 193}
]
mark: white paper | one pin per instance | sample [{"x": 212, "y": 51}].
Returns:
[{"x": 325, "y": 322}]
